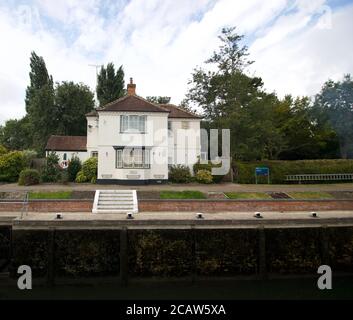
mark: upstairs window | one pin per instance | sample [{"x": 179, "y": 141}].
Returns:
[
  {"x": 132, "y": 124},
  {"x": 185, "y": 125}
]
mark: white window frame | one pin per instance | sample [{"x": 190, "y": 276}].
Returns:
[
  {"x": 132, "y": 158},
  {"x": 132, "y": 123}
]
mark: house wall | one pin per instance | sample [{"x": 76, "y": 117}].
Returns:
[
  {"x": 92, "y": 133},
  {"x": 69, "y": 154},
  {"x": 155, "y": 138},
  {"x": 184, "y": 144}
]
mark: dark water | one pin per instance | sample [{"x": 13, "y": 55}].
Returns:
[{"x": 241, "y": 289}]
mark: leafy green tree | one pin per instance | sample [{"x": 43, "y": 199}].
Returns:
[
  {"x": 39, "y": 78},
  {"x": 72, "y": 102},
  {"x": 262, "y": 125},
  {"x": 51, "y": 172},
  {"x": 158, "y": 99},
  {"x": 231, "y": 99},
  {"x": 39, "y": 100},
  {"x": 73, "y": 168},
  {"x": 110, "y": 84},
  {"x": 17, "y": 134},
  {"x": 334, "y": 105}
]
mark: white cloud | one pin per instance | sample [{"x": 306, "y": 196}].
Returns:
[
  {"x": 299, "y": 62},
  {"x": 159, "y": 43}
]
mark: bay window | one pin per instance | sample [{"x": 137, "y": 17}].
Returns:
[{"x": 137, "y": 158}]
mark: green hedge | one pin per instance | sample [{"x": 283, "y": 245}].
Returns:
[{"x": 245, "y": 171}]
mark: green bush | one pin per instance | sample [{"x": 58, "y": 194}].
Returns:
[
  {"x": 179, "y": 174},
  {"x": 28, "y": 156},
  {"x": 80, "y": 177},
  {"x": 11, "y": 164},
  {"x": 245, "y": 171},
  {"x": 3, "y": 150},
  {"x": 203, "y": 176},
  {"x": 208, "y": 166},
  {"x": 73, "y": 168},
  {"x": 29, "y": 177},
  {"x": 51, "y": 172},
  {"x": 88, "y": 173}
]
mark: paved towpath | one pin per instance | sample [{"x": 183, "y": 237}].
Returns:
[
  {"x": 224, "y": 187},
  {"x": 171, "y": 220}
]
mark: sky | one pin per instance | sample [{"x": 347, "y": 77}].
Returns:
[{"x": 296, "y": 44}]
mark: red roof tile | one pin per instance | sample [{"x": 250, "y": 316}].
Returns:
[
  {"x": 177, "y": 112},
  {"x": 132, "y": 103},
  {"x": 67, "y": 143}
]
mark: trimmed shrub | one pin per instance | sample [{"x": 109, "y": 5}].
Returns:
[
  {"x": 51, "y": 172},
  {"x": 203, "y": 176},
  {"x": 88, "y": 172},
  {"x": 208, "y": 166},
  {"x": 29, "y": 177},
  {"x": 179, "y": 174},
  {"x": 73, "y": 168},
  {"x": 245, "y": 171},
  {"x": 11, "y": 164}
]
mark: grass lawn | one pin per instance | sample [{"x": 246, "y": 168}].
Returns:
[
  {"x": 182, "y": 195},
  {"x": 50, "y": 195},
  {"x": 247, "y": 195},
  {"x": 310, "y": 195}
]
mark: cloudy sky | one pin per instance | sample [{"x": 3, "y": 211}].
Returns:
[{"x": 297, "y": 45}]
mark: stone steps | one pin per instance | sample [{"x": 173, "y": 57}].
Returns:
[{"x": 115, "y": 201}]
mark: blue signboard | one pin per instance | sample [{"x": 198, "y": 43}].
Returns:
[{"x": 262, "y": 171}]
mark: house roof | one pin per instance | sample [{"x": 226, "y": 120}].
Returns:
[
  {"x": 92, "y": 113},
  {"x": 133, "y": 103},
  {"x": 177, "y": 112},
  {"x": 67, "y": 143}
]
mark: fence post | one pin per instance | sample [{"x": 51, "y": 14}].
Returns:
[
  {"x": 123, "y": 257},
  {"x": 51, "y": 257},
  {"x": 262, "y": 252}
]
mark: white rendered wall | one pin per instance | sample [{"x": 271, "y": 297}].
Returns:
[
  {"x": 70, "y": 154},
  {"x": 184, "y": 144},
  {"x": 155, "y": 138}
]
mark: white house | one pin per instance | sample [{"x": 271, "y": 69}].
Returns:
[{"x": 135, "y": 140}]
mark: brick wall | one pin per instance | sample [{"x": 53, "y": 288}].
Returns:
[
  {"x": 236, "y": 205},
  {"x": 50, "y": 206},
  {"x": 188, "y": 205}
]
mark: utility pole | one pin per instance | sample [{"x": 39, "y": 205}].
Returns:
[{"x": 97, "y": 66}]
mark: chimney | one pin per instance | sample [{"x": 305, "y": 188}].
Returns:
[{"x": 131, "y": 88}]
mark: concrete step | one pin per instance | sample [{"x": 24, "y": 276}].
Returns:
[
  {"x": 115, "y": 206},
  {"x": 115, "y": 201}
]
